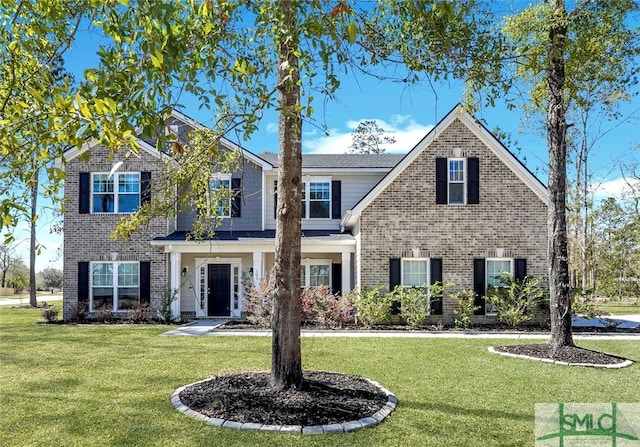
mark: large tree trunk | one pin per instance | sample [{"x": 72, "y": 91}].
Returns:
[
  {"x": 286, "y": 358},
  {"x": 33, "y": 301},
  {"x": 559, "y": 288}
]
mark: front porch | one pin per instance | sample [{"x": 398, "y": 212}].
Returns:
[{"x": 209, "y": 277}]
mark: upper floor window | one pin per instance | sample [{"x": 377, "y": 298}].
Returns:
[
  {"x": 221, "y": 195},
  {"x": 456, "y": 187},
  {"x": 316, "y": 198},
  {"x": 117, "y": 193},
  {"x": 457, "y": 181}
]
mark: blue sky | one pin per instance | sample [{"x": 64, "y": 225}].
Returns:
[{"x": 405, "y": 112}]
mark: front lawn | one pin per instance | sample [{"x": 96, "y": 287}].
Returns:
[{"x": 66, "y": 385}]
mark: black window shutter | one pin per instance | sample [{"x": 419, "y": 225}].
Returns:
[
  {"x": 520, "y": 269},
  {"x": 473, "y": 180},
  {"x": 479, "y": 285},
  {"x": 145, "y": 187},
  {"x": 336, "y": 202},
  {"x": 394, "y": 273},
  {"x": 85, "y": 193},
  {"x": 145, "y": 283},
  {"x": 236, "y": 200},
  {"x": 83, "y": 282},
  {"x": 336, "y": 279},
  {"x": 441, "y": 181},
  {"x": 436, "y": 276},
  {"x": 395, "y": 279},
  {"x": 275, "y": 199}
]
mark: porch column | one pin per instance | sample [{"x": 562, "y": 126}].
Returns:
[
  {"x": 175, "y": 262},
  {"x": 346, "y": 272},
  {"x": 258, "y": 261}
]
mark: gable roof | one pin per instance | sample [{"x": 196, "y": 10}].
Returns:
[
  {"x": 481, "y": 132},
  {"x": 147, "y": 147},
  {"x": 264, "y": 164}
]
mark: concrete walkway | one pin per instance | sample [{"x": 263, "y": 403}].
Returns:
[{"x": 210, "y": 328}]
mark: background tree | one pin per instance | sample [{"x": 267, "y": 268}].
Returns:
[
  {"x": 18, "y": 276},
  {"x": 560, "y": 54},
  {"x": 369, "y": 138},
  {"x": 51, "y": 278},
  {"x": 8, "y": 259}
]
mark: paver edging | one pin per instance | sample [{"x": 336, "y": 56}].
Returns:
[
  {"x": 623, "y": 364},
  {"x": 343, "y": 427}
]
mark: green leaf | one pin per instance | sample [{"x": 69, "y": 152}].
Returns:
[{"x": 352, "y": 31}]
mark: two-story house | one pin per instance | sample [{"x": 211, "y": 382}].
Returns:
[{"x": 458, "y": 207}]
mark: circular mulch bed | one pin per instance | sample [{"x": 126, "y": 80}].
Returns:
[
  {"x": 571, "y": 355},
  {"x": 325, "y": 399}
]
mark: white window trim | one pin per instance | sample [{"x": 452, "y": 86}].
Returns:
[
  {"x": 114, "y": 283},
  {"x": 306, "y": 264},
  {"x": 223, "y": 176},
  {"x": 463, "y": 182},
  {"x": 426, "y": 283},
  {"x": 306, "y": 184},
  {"x": 489, "y": 311},
  {"x": 115, "y": 193}
]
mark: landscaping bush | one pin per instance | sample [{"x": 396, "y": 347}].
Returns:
[
  {"x": 371, "y": 306},
  {"x": 79, "y": 312},
  {"x": 464, "y": 312},
  {"x": 165, "y": 315},
  {"x": 517, "y": 299},
  {"x": 319, "y": 306},
  {"x": 258, "y": 303},
  {"x": 322, "y": 308},
  {"x": 49, "y": 313},
  {"x": 414, "y": 301},
  {"x": 139, "y": 314},
  {"x": 104, "y": 314}
]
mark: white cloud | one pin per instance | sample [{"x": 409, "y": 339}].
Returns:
[
  {"x": 406, "y": 131},
  {"x": 272, "y": 127},
  {"x": 618, "y": 188}
]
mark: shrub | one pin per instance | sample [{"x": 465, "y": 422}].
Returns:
[
  {"x": 466, "y": 308},
  {"x": 371, "y": 306},
  {"x": 79, "y": 312},
  {"x": 165, "y": 315},
  {"x": 104, "y": 314},
  {"x": 322, "y": 308},
  {"x": 139, "y": 314},
  {"x": 517, "y": 299},
  {"x": 582, "y": 306},
  {"x": 258, "y": 303},
  {"x": 415, "y": 301},
  {"x": 413, "y": 304},
  {"x": 49, "y": 313}
]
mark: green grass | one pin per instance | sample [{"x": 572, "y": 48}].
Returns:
[
  {"x": 619, "y": 309},
  {"x": 67, "y": 385}
]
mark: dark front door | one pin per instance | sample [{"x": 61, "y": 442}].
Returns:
[{"x": 219, "y": 279}]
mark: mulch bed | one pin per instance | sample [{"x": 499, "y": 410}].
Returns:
[
  {"x": 569, "y": 354},
  {"x": 325, "y": 398}
]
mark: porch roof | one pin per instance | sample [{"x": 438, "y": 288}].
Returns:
[{"x": 180, "y": 236}]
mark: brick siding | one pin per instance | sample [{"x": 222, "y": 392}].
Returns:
[{"x": 405, "y": 215}]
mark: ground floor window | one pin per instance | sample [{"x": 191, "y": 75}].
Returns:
[
  {"x": 415, "y": 274},
  {"x": 493, "y": 270},
  {"x": 315, "y": 273},
  {"x": 115, "y": 285}
]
